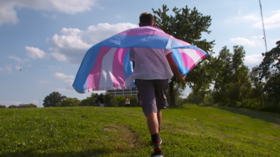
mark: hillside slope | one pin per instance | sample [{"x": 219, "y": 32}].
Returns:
[{"x": 120, "y": 132}]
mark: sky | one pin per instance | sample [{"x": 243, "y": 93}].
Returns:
[{"x": 47, "y": 39}]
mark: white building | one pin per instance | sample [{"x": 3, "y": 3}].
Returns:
[{"x": 123, "y": 92}]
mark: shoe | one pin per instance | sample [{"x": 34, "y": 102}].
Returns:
[
  {"x": 159, "y": 142},
  {"x": 157, "y": 154}
]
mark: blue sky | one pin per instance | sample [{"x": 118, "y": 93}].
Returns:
[{"x": 48, "y": 39}]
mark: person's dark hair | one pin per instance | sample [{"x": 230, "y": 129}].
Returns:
[{"x": 146, "y": 19}]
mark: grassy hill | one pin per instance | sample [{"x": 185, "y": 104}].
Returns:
[{"x": 121, "y": 132}]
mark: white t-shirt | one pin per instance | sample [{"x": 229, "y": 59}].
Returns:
[
  {"x": 127, "y": 101},
  {"x": 150, "y": 64}
]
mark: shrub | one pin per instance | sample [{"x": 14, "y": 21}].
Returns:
[
  {"x": 110, "y": 100},
  {"x": 13, "y": 106}
]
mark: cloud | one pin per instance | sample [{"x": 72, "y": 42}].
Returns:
[
  {"x": 270, "y": 22},
  {"x": 250, "y": 17},
  {"x": 8, "y": 13},
  {"x": 253, "y": 59},
  {"x": 51, "y": 68},
  {"x": 69, "y": 83},
  {"x": 34, "y": 52},
  {"x": 63, "y": 76},
  {"x": 7, "y": 68},
  {"x": 62, "y": 90},
  {"x": 18, "y": 59},
  {"x": 252, "y": 41},
  {"x": 71, "y": 44},
  {"x": 17, "y": 67},
  {"x": 51, "y": 16}
]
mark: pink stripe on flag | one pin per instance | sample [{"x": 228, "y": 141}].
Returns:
[
  {"x": 187, "y": 60},
  {"x": 118, "y": 72},
  {"x": 202, "y": 55},
  {"x": 144, "y": 31},
  {"x": 94, "y": 75},
  {"x": 152, "y": 31}
]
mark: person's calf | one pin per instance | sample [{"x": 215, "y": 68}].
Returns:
[
  {"x": 156, "y": 144},
  {"x": 153, "y": 125}
]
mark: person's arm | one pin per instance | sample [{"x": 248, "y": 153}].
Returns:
[{"x": 174, "y": 67}]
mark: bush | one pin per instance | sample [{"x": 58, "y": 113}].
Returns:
[
  {"x": 13, "y": 106},
  {"x": 207, "y": 101},
  {"x": 32, "y": 106},
  {"x": 133, "y": 101},
  {"x": 121, "y": 100},
  {"x": 110, "y": 100}
]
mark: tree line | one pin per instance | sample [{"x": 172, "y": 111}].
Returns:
[
  {"x": 31, "y": 105},
  {"x": 223, "y": 80},
  {"x": 55, "y": 99}
]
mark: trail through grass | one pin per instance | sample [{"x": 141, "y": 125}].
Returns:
[{"x": 122, "y": 132}]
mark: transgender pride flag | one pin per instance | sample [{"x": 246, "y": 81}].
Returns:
[{"x": 106, "y": 65}]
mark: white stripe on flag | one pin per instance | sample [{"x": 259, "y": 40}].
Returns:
[
  {"x": 106, "y": 78},
  {"x": 192, "y": 53}
]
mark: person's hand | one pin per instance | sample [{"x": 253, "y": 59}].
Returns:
[{"x": 182, "y": 78}]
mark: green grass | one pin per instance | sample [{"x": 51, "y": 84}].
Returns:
[{"x": 120, "y": 132}]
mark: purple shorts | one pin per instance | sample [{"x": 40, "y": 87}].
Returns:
[{"x": 152, "y": 94}]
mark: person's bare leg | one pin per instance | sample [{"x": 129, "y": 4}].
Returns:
[
  {"x": 159, "y": 120},
  {"x": 153, "y": 123}
]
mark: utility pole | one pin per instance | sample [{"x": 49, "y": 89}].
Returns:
[{"x": 263, "y": 27}]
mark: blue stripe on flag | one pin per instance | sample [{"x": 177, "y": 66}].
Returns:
[
  {"x": 203, "y": 52},
  {"x": 178, "y": 59},
  {"x": 80, "y": 83},
  {"x": 128, "y": 67}
]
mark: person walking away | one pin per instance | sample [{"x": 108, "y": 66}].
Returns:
[{"x": 152, "y": 71}]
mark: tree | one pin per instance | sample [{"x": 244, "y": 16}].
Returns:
[
  {"x": 70, "y": 102},
  {"x": 31, "y": 105},
  {"x": 270, "y": 71},
  {"x": 110, "y": 100},
  {"x": 89, "y": 101},
  {"x": 188, "y": 25},
  {"x": 54, "y": 99},
  {"x": 232, "y": 84},
  {"x": 2, "y": 106},
  {"x": 13, "y": 106},
  {"x": 177, "y": 92},
  {"x": 258, "y": 87}
]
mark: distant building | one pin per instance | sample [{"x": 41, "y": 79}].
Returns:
[
  {"x": 123, "y": 92},
  {"x": 23, "y": 105}
]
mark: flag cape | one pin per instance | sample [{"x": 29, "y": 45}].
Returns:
[{"x": 106, "y": 65}]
